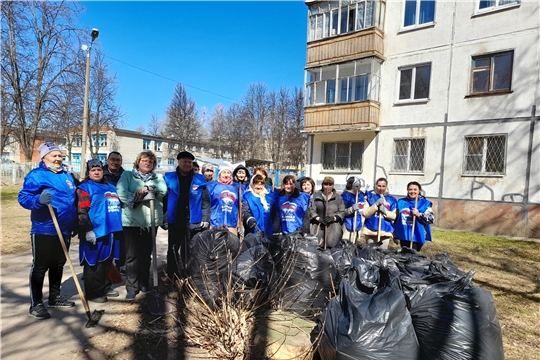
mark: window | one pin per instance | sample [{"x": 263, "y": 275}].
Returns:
[
  {"x": 485, "y": 155},
  {"x": 342, "y": 155},
  {"x": 171, "y": 146},
  {"x": 76, "y": 158},
  {"x": 158, "y": 145},
  {"x": 102, "y": 158},
  {"x": 170, "y": 161},
  {"x": 493, "y": 4},
  {"x": 409, "y": 155},
  {"x": 492, "y": 72},
  {"x": 146, "y": 144},
  {"x": 353, "y": 81},
  {"x": 101, "y": 140},
  {"x": 158, "y": 162},
  {"x": 414, "y": 82},
  {"x": 418, "y": 12},
  {"x": 77, "y": 141},
  {"x": 331, "y": 18}
]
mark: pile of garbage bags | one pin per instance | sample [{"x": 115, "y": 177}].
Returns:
[{"x": 369, "y": 303}]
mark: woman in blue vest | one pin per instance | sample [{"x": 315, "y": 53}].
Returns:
[
  {"x": 224, "y": 201},
  {"x": 257, "y": 206},
  {"x": 418, "y": 207},
  {"x": 380, "y": 205},
  {"x": 290, "y": 209},
  {"x": 353, "y": 197},
  {"x": 100, "y": 224}
]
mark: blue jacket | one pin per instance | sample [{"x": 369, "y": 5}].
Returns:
[
  {"x": 61, "y": 185},
  {"x": 350, "y": 199},
  {"x": 253, "y": 207},
  {"x": 224, "y": 204},
  {"x": 291, "y": 210},
  {"x": 198, "y": 185},
  {"x": 422, "y": 231},
  {"x": 105, "y": 214},
  {"x": 373, "y": 222}
]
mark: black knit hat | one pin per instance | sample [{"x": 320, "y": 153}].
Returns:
[
  {"x": 185, "y": 154},
  {"x": 92, "y": 163}
]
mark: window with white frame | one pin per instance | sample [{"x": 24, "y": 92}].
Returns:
[
  {"x": 349, "y": 82},
  {"x": 409, "y": 155},
  {"x": 418, "y": 13},
  {"x": 485, "y": 155},
  {"x": 101, "y": 140},
  {"x": 484, "y": 5},
  {"x": 158, "y": 145},
  {"x": 171, "y": 161},
  {"x": 342, "y": 156},
  {"x": 76, "y": 141},
  {"x": 414, "y": 82},
  {"x": 332, "y": 18},
  {"x": 102, "y": 158},
  {"x": 146, "y": 144},
  {"x": 171, "y": 145},
  {"x": 492, "y": 72}
]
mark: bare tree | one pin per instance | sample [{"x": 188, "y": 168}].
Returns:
[
  {"x": 140, "y": 129},
  {"x": 218, "y": 130},
  {"x": 37, "y": 42},
  {"x": 182, "y": 122},
  {"x": 277, "y": 124},
  {"x": 154, "y": 126},
  {"x": 255, "y": 118},
  {"x": 295, "y": 142}
]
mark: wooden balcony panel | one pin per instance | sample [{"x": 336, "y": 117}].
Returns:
[
  {"x": 346, "y": 47},
  {"x": 362, "y": 115}
]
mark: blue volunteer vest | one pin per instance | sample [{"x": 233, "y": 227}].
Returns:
[
  {"x": 422, "y": 232},
  {"x": 350, "y": 199},
  {"x": 105, "y": 207},
  {"x": 262, "y": 215},
  {"x": 195, "y": 197},
  {"x": 373, "y": 222},
  {"x": 224, "y": 204},
  {"x": 291, "y": 211}
]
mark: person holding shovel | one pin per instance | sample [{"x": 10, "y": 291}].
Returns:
[
  {"x": 188, "y": 211},
  {"x": 414, "y": 218},
  {"x": 48, "y": 184},
  {"x": 140, "y": 190},
  {"x": 353, "y": 198},
  {"x": 224, "y": 201},
  {"x": 380, "y": 213},
  {"x": 327, "y": 211},
  {"x": 100, "y": 226}
]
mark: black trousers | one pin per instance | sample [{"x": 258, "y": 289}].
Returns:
[
  {"x": 179, "y": 236},
  {"x": 416, "y": 246},
  {"x": 138, "y": 244},
  {"x": 96, "y": 279},
  {"x": 47, "y": 256},
  {"x": 122, "y": 260}
]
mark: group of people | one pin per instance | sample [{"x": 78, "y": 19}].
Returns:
[{"x": 111, "y": 212}]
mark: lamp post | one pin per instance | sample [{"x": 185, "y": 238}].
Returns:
[{"x": 94, "y": 34}]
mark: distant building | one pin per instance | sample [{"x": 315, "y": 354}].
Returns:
[{"x": 440, "y": 92}]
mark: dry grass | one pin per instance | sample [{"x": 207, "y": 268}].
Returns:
[{"x": 15, "y": 222}]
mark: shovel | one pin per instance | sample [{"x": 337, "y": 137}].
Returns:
[
  {"x": 413, "y": 222},
  {"x": 93, "y": 318},
  {"x": 157, "y": 304}
]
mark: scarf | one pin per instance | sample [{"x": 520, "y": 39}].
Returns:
[
  {"x": 228, "y": 182},
  {"x": 144, "y": 177},
  {"x": 261, "y": 195}
]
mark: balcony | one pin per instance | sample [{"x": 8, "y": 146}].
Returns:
[
  {"x": 346, "y": 47},
  {"x": 362, "y": 115}
]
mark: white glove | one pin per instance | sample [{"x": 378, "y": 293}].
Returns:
[
  {"x": 205, "y": 225},
  {"x": 382, "y": 209},
  {"x": 91, "y": 237},
  {"x": 241, "y": 231},
  {"x": 380, "y": 201},
  {"x": 45, "y": 197}
]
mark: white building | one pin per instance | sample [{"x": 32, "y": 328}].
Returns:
[{"x": 440, "y": 92}]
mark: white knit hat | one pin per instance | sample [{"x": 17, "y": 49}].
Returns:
[{"x": 46, "y": 148}]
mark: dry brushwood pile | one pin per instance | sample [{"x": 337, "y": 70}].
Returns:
[{"x": 286, "y": 298}]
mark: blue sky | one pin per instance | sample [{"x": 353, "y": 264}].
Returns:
[{"x": 215, "y": 49}]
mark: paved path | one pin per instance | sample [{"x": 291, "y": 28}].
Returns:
[{"x": 58, "y": 338}]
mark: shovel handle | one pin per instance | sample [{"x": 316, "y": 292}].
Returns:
[
  {"x": 154, "y": 247},
  {"x": 68, "y": 259},
  {"x": 413, "y": 222}
]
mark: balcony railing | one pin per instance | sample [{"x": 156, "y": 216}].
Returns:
[{"x": 362, "y": 115}]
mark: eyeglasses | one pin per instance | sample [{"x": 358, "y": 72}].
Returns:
[
  {"x": 328, "y": 184},
  {"x": 147, "y": 161}
]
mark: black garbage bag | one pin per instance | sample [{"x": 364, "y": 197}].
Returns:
[
  {"x": 255, "y": 239},
  {"x": 456, "y": 320},
  {"x": 343, "y": 253},
  {"x": 308, "y": 273},
  {"x": 210, "y": 262},
  {"x": 253, "y": 267},
  {"x": 368, "y": 275},
  {"x": 357, "y": 325}
]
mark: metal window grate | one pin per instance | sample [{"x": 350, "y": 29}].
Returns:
[
  {"x": 485, "y": 155},
  {"x": 409, "y": 155}
]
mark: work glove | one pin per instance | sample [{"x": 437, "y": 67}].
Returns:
[
  {"x": 91, "y": 237},
  {"x": 251, "y": 222},
  {"x": 382, "y": 209},
  {"x": 240, "y": 231},
  {"x": 45, "y": 197},
  {"x": 150, "y": 195},
  {"x": 356, "y": 206},
  {"x": 205, "y": 225},
  {"x": 380, "y": 201},
  {"x": 328, "y": 220},
  {"x": 357, "y": 182}
]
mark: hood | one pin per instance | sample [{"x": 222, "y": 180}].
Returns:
[{"x": 236, "y": 170}]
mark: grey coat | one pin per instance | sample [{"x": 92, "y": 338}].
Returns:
[{"x": 317, "y": 208}]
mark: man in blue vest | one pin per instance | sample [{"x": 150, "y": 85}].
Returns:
[{"x": 188, "y": 211}]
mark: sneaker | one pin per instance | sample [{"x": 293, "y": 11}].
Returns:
[
  {"x": 39, "y": 312},
  {"x": 101, "y": 299},
  {"x": 131, "y": 295},
  {"x": 112, "y": 293},
  {"x": 60, "y": 302}
]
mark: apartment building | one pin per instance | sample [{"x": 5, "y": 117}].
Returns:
[{"x": 440, "y": 92}]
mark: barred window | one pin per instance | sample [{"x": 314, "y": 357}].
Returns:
[
  {"x": 342, "y": 155},
  {"x": 409, "y": 155},
  {"x": 485, "y": 155}
]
